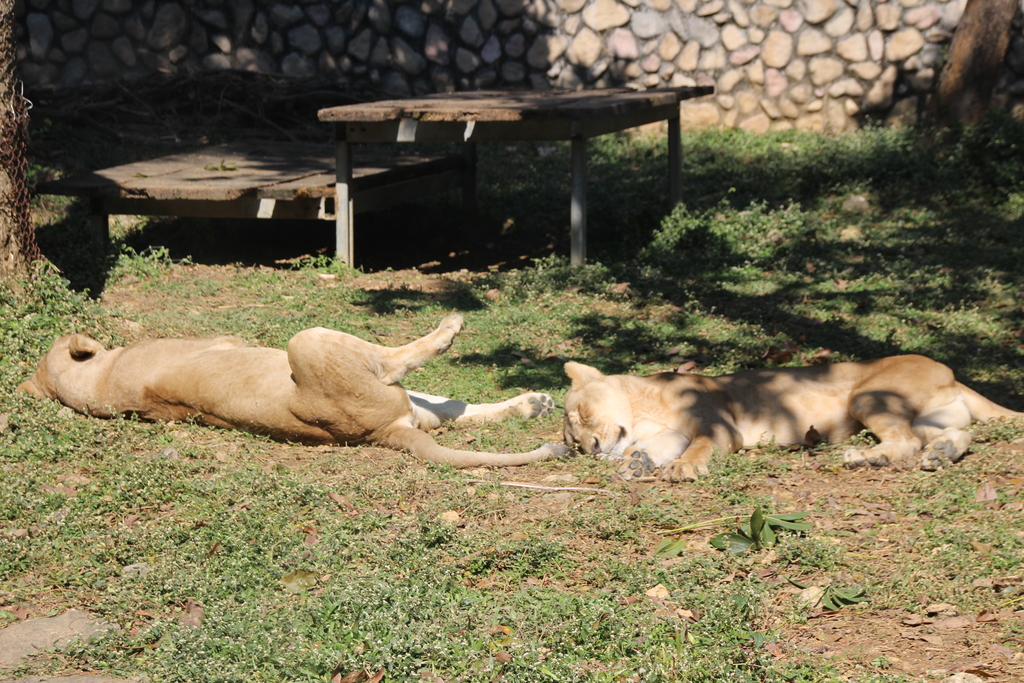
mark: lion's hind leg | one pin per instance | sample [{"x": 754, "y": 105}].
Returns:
[
  {"x": 941, "y": 429},
  {"x": 397, "y": 362},
  {"x": 431, "y": 411},
  {"x": 888, "y": 415}
]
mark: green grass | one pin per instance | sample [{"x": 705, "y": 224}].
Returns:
[{"x": 533, "y": 584}]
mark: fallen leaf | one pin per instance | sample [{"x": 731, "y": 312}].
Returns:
[
  {"x": 943, "y": 608},
  {"x": 503, "y": 656},
  {"x": 985, "y": 617},
  {"x": 342, "y": 501},
  {"x": 810, "y": 597},
  {"x": 351, "y": 677},
  {"x": 983, "y": 548},
  {"x": 298, "y": 581},
  {"x": 983, "y": 583},
  {"x": 686, "y": 367},
  {"x": 193, "y": 616},
  {"x": 934, "y": 640},
  {"x": 952, "y": 623},
  {"x": 1001, "y": 650},
  {"x": 376, "y": 678},
  {"x": 985, "y": 493},
  {"x": 658, "y": 591},
  {"x": 912, "y": 620}
]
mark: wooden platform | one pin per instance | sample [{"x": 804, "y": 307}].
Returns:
[
  {"x": 256, "y": 179},
  {"x": 499, "y": 116}
]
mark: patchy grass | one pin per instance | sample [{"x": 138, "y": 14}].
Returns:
[{"x": 431, "y": 573}]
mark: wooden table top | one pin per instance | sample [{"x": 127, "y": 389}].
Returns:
[
  {"x": 505, "y": 106},
  {"x": 234, "y": 170}
]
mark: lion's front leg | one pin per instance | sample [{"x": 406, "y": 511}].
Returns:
[
  {"x": 692, "y": 464},
  {"x": 431, "y": 411},
  {"x": 645, "y": 457}
]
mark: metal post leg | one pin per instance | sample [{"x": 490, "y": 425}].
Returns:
[
  {"x": 675, "y": 182},
  {"x": 99, "y": 224},
  {"x": 468, "y": 188},
  {"x": 578, "y": 213},
  {"x": 343, "y": 230}
]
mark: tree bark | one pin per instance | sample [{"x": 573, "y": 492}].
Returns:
[
  {"x": 976, "y": 55},
  {"x": 17, "y": 241}
]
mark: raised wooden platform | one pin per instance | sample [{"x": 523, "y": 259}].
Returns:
[{"x": 256, "y": 179}]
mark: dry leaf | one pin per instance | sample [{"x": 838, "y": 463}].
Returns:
[
  {"x": 983, "y": 548},
  {"x": 986, "y": 492},
  {"x": 1001, "y": 650},
  {"x": 686, "y": 367},
  {"x": 942, "y": 608},
  {"x": 193, "y": 616},
  {"x": 342, "y": 501},
  {"x": 810, "y": 597},
  {"x": 933, "y": 639},
  {"x": 952, "y": 622},
  {"x": 376, "y": 678},
  {"x": 985, "y": 617},
  {"x": 503, "y": 656},
  {"x": 352, "y": 677},
  {"x": 659, "y": 592},
  {"x": 912, "y": 620}
]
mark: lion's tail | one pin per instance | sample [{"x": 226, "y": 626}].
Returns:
[
  {"x": 982, "y": 409},
  {"x": 421, "y": 445}
]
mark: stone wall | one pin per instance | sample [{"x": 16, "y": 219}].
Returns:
[{"x": 810, "y": 64}]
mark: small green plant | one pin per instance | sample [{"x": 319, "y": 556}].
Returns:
[
  {"x": 222, "y": 166},
  {"x": 759, "y": 532},
  {"x": 835, "y": 598}
]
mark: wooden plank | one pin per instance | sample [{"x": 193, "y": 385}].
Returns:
[
  {"x": 364, "y": 178},
  {"x": 510, "y": 106}
]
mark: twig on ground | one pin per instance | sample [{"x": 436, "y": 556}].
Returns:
[{"x": 541, "y": 488}]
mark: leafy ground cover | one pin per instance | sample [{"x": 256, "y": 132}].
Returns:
[{"x": 228, "y": 557}]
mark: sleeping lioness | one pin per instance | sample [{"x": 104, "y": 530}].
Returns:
[
  {"x": 329, "y": 387},
  {"x": 671, "y": 423}
]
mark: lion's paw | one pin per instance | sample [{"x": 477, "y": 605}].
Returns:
[
  {"x": 938, "y": 454},
  {"x": 451, "y": 325},
  {"x": 680, "y": 470},
  {"x": 636, "y": 465},
  {"x": 855, "y": 457},
  {"x": 537, "y": 405}
]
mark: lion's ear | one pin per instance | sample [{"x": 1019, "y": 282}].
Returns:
[
  {"x": 581, "y": 374},
  {"x": 82, "y": 346}
]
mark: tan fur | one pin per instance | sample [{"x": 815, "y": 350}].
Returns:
[
  {"x": 673, "y": 423},
  {"x": 329, "y": 387}
]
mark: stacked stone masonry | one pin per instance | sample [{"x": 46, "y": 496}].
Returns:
[{"x": 777, "y": 64}]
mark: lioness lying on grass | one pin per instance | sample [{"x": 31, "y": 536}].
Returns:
[
  {"x": 329, "y": 387},
  {"x": 671, "y": 423}
]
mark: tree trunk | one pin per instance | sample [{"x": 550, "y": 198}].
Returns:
[
  {"x": 17, "y": 241},
  {"x": 975, "y": 57}
]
